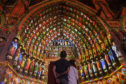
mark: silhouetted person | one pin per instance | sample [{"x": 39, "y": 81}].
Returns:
[
  {"x": 61, "y": 69},
  {"x": 73, "y": 73}
]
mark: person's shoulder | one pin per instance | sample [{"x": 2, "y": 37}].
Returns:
[
  {"x": 57, "y": 61},
  {"x": 73, "y": 68},
  {"x": 67, "y": 61}
]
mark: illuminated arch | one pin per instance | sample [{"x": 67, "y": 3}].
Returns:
[{"x": 79, "y": 19}]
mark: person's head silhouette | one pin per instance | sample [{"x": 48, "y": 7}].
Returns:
[
  {"x": 63, "y": 54},
  {"x": 72, "y": 62}
]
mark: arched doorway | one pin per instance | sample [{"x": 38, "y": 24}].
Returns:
[{"x": 51, "y": 24}]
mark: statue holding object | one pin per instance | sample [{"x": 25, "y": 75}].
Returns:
[{"x": 12, "y": 49}]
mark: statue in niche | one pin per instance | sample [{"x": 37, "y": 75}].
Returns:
[
  {"x": 103, "y": 63},
  {"x": 35, "y": 49},
  {"x": 20, "y": 56},
  {"x": 108, "y": 61},
  {"x": 38, "y": 51},
  {"x": 17, "y": 56},
  {"x": 94, "y": 68},
  {"x": 32, "y": 66},
  {"x": 27, "y": 64},
  {"x": 112, "y": 55},
  {"x": 86, "y": 70},
  {"x": 36, "y": 67},
  {"x": 40, "y": 70},
  {"x": 116, "y": 50},
  {"x": 12, "y": 49},
  {"x": 20, "y": 59},
  {"x": 27, "y": 46},
  {"x": 109, "y": 37},
  {"x": 22, "y": 63},
  {"x": 102, "y": 46},
  {"x": 90, "y": 69},
  {"x": 98, "y": 47},
  {"x": 81, "y": 71},
  {"x": 30, "y": 49},
  {"x": 2, "y": 44},
  {"x": 98, "y": 66}
]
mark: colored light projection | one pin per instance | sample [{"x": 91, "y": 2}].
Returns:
[
  {"x": 64, "y": 23},
  {"x": 24, "y": 64},
  {"x": 10, "y": 77},
  {"x": 47, "y": 20},
  {"x": 59, "y": 43}
]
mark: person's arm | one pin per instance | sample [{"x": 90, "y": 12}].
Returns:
[
  {"x": 77, "y": 74},
  {"x": 65, "y": 71},
  {"x": 55, "y": 75},
  {"x": 54, "y": 71}
]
